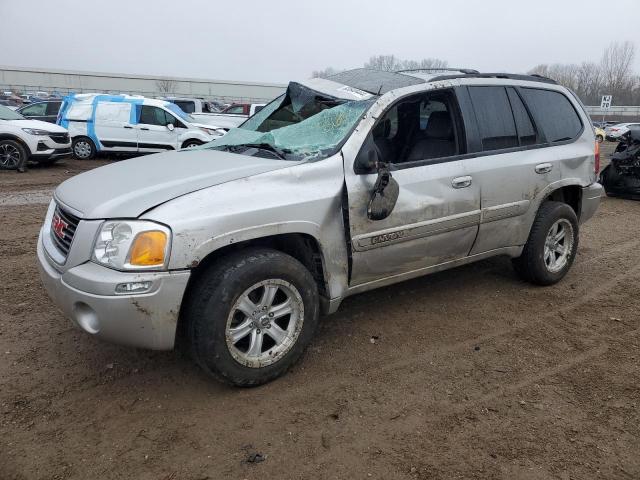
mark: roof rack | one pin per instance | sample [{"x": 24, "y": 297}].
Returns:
[
  {"x": 510, "y": 76},
  {"x": 436, "y": 69}
]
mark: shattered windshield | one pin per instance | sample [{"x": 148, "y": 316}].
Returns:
[{"x": 302, "y": 124}]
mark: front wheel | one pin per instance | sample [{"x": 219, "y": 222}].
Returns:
[
  {"x": 12, "y": 155},
  {"x": 251, "y": 316},
  {"x": 83, "y": 148},
  {"x": 191, "y": 144},
  {"x": 551, "y": 247}
]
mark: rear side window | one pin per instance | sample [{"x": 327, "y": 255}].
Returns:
[
  {"x": 554, "y": 114},
  {"x": 524, "y": 125},
  {"x": 495, "y": 120}
]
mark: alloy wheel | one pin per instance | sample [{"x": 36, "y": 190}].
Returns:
[
  {"x": 9, "y": 156},
  {"x": 558, "y": 245},
  {"x": 264, "y": 323}
]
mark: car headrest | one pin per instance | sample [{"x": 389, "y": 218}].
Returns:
[{"x": 439, "y": 126}]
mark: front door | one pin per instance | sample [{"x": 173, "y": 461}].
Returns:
[
  {"x": 436, "y": 217},
  {"x": 154, "y": 132}
]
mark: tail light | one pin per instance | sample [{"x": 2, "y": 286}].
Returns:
[{"x": 597, "y": 155}]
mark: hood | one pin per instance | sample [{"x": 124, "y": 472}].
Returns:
[
  {"x": 49, "y": 127},
  {"x": 131, "y": 187}
]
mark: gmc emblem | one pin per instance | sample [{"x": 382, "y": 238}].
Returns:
[{"x": 58, "y": 226}]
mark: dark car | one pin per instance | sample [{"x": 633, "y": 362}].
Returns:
[{"x": 47, "y": 111}]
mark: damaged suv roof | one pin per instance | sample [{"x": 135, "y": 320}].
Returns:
[{"x": 363, "y": 83}]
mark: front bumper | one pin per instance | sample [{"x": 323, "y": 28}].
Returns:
[
  {"x": 86, "y": 294},
  {"x": 590, "y": 201},
  {"x": 43, "y": 147}
]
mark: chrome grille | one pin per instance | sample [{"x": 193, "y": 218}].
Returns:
[{"x": 63, "y": 229}]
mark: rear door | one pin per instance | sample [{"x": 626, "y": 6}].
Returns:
[
  {"x": 516, "y": 159},
  {"x": 154, "y": 133},
  {"x": 113, "y": 127}
]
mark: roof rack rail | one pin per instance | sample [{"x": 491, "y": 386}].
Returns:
[
  {"x": 436, "y": 69},
  {"x": 510, "y": 76}
]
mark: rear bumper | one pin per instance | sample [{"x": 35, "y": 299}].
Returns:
[
  {"x": 590, "y": 201},
  {"x": 86, "y": 294}
]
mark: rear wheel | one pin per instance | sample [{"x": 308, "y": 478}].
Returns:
[
  {"x": 551, "y": 247},
  {"x": 83, "y": 148},
  {"x": 251, "y": 316},
  {"x": 12, "y": 154}
]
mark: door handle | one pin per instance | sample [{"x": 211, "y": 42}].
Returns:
[
  {"x": 461, "y": 182},
  {"x": 128, "y": 126},
  {"x": 144, "y": 128},
  {"x": 544, "y": 168}
]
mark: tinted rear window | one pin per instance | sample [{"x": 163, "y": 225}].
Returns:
[
  {"x": 495, "y": 120},
  {"x": 554, "y": 114}
]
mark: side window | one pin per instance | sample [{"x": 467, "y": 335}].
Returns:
[
  {"x": 35, "y": 110},
  {"x": 495, "y": 120},
  {"x": 553, "y": 113},
  {"x": 155, "y": 116},
  {"x": 53, "y": 108},
  {"x": 524, "y": 125},
  {"x": 421, "y": 127}
]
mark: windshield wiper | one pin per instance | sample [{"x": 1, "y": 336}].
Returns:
[{"x": 267, "y": 146}]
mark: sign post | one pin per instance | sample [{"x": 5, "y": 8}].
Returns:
[{"x": 605, "y": 104}]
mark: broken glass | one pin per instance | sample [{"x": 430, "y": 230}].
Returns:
[{"x": 303, "y": 124}]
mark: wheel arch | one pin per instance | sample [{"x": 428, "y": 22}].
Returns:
[
  {"x": 304, "y": 247},
  {"x": 189, "y": 140},
  {"x": 569, "y": 194},
  {"x": 15, "y": 138}
]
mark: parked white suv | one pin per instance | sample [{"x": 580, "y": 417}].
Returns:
[
  {"x": 340, "y": 186},
  {"x": 129, "y": 124},
  {"x": 22, "y": 139}
]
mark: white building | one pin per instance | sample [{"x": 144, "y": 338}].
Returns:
[{"x": 31, "y": 80}]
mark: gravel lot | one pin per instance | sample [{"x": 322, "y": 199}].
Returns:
[{"x": 468, "y": 373}]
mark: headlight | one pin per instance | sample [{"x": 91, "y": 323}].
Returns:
[
  {"x": 35, "y": 131},
  {"x": 132, "y": 245}
]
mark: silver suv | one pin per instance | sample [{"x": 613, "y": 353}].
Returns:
[{"x": 337, "y": 187}]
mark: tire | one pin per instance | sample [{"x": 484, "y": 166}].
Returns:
[
  {"x": 191, "y": 144},
  {"x": 12, "y": 154},
  {"x": 599, "y": 138},
  {"x": 83, "y": 148},
  {"x": 213, "y": 315},
  {"x": 542, "y": 262}
]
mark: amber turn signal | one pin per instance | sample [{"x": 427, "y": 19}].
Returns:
[{"x": 148, "y": 249}]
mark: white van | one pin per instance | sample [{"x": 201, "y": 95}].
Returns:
[{"x": 129, "y": 124}]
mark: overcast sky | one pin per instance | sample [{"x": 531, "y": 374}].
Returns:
[{"x": 278, "y": 40}]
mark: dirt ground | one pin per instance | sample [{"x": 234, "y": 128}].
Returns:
[{"x": 469, "y": 373}]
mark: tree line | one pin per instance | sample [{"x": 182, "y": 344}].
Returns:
[{"x": 612, "y": 75}]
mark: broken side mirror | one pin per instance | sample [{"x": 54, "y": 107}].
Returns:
[{"x": 385, "y": 194}]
